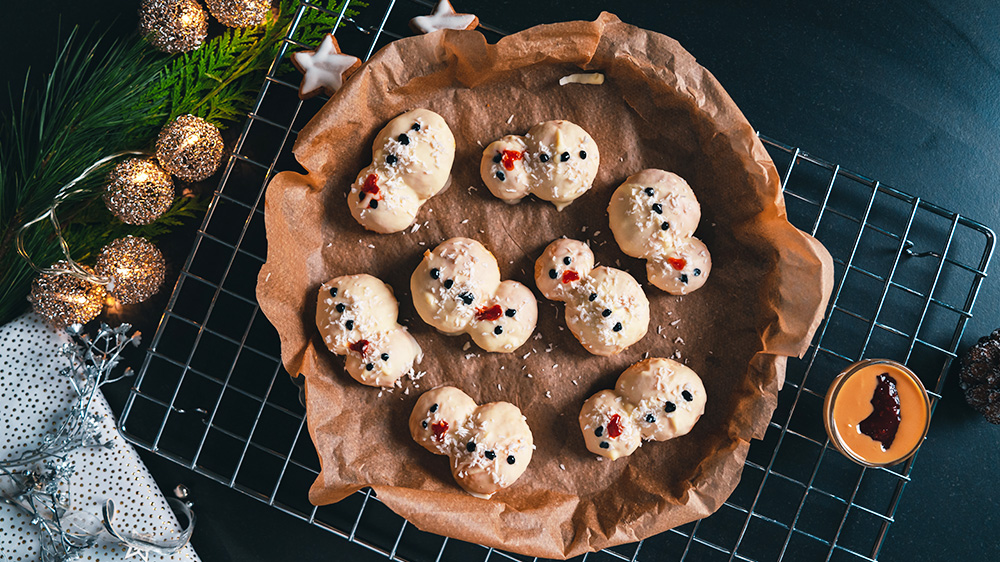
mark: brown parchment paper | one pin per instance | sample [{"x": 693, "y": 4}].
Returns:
[{"x": 658, "y": 108}]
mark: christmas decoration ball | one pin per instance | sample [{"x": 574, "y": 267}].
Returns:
[
  {"x": 138, "y": 191},
  {"x": 239, "y": 13},
  {"x": 136, "y": 267},
  {"x": 173, "y": 26},
  {"x": 66, "y": 299},
  {"x": 190, "y": 148}
]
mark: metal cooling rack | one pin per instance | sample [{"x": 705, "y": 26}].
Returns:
[{"x": 212, "y": 394}]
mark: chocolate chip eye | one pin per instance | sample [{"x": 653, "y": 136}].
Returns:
[
  {"x": 696, "y": 272},
  {"x": 553, "y": 274},
  {"x": 649, "y": 191},
  {"x": 434, "y": 408},
  {"x": 564, "y": 157},
  {"x": 497, "y": 158},
  {"x": 665, "y": 225},
  {"x": 333, "y": 290},
  {"x": 606, "y": 312},
  {"x": 349, "y": 324},
  {"x": 435, "y": 273},
  {"x": 448, "y": 283},
  {"x": 543, "y": 157},
  {"x": 424, "y": 424},
  {"x": 684, "y": 278},
  {"x": 340, "y": 307},
  {"x": 498, "y": 330},
  {"x": 373, "y": 204},
  {"x": 669, "y": 407},
  {"x": 510, "y": 312},
  {"x": 617, "y": 327},
  {"x": 599, "y": 431},
  {"x": 403, "y": 139},
  {"x": 592, "y": 297},
  {"x": 567, "y": 260},
  {"x": 390, "y": 159},
  {"x": 650, "y": 418},
  {"x": 467, "y": 298},
  {"x": 490, "y": 455},
  {"x": 687, "y": 396},
  {"x": 369, "y": 367},
  {"x": 416, "y": 127},
  {"x": 657, "y": 208},
  {"x": 500, "y": 175},
  {"x": 583, "y": 154},
  {"x": 511, "y": 459},
  {"x": 385, "y": 357},
  {"x": 605, "y": 445},
  {"x": 470, "y": 446}
]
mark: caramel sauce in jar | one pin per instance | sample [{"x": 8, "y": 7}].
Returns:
[{"x": 849, "y": 402}]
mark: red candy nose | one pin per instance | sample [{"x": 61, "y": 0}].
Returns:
[
  {"x": 491, "y": 313},
  {"x": 677, "y": 263},
  {"x": 615, "y": 426},
  {"x": 509, "y": 157},
  {"x": 359, "y": 346},
  {"x": 371, "y": 185},
  {"x": 439, "y": 429},
  {"x": 569, "y": 276}
]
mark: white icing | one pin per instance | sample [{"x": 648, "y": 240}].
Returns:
[
  {"x": 444, "y": 17},
  {"x": 323, "y": 68}
]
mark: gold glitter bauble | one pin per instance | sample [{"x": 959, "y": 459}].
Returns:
[
  {"x": 173, "y": 26},
  {"x": 65, "y": 299},
  {"x": 239, "y": 13},
  {"x": 138, "y": 191},
  {"x": 136, "y": 266},
  {"x": 190, "y": 148}
]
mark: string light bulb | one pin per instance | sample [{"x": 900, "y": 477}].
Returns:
[
  {"x": 190, "y": 148},
  {"x": 135, "y": 267},
  {"x": 173, "y": 26},
  {"x": 239, "y": 13},
  {"x": 138, "y": 191},
  {"x": 65, "y": 298}
]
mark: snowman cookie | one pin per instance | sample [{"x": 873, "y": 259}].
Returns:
[
  {"x": 655, "y": 399},
  {"x": 605, "y": 307},
  {"x": 490, "y": 446},
  {"x": 457, "y": 289},
  {"x": 653, "y": 216},
  {"x": 556, "y": 161},
  {"x": 356, "y": 316},
  {"x": 411, "y": 162}
]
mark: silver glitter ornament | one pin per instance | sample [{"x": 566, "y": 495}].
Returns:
[
  {"x": 239, "y": 13},
  {"x": 173, "y": 26},
  {"x": 190, "y": 148},
  {"x": 138, "y": 191},
  {"x": 135, "y": 266},
  {"x": 66, "y": 299}
]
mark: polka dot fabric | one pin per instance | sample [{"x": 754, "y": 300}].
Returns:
[{"x": 34, "y": 399}]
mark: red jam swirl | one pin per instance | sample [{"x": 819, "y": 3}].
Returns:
[
  {"x": 360, "y": 346},
  {"x": 489, "y": 313},
  {"x": 569, "y": 276},
  {"x": 511, "y": 156},
  {"x": 615, "y": 426},
  {"x": 439, "y": 428},
  {"x": 677, "y": 263},
  {"x": 371, "y": 185}
]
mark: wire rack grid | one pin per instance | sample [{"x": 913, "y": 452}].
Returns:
[{"x": 213, "y": 396}]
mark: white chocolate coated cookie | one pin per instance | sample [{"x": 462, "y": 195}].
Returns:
[
  {"x": 490, "y": 446},
  {"x": 653, "y": 216},
  {"x": 457, "y": 289},
  {"x": 556, "y": 161},
  {"x": 411, "y": 162},
  {"x": 356, "y": 316},
  {"x": 655, "y": 399},
  {"x": 606, "y": 308}
]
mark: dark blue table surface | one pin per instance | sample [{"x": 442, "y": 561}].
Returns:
[{"x": 904, "y": 92}]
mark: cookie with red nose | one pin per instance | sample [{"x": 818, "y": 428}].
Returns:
[
  {"x": 356, "y": 316},
  {"x": 490, "y": 446},
  {"x": 606, "y": 309},
  {"x": 411, "y": 162},
  {"x": 457, "y": 289},
  {"x": 556, "y": 161},
  {"x": 655, "y": 399},
  {"x": 653, "y": 216}
]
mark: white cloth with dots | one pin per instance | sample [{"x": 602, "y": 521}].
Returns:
[{"x": 33, "y": 400}]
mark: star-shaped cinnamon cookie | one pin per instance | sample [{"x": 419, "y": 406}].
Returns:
[
  {"x": 324, "y": 69},
  {"x": 444, "y": 17}
]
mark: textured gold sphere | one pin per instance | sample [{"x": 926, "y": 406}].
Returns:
[
  {"x": 190, "y": 148},
  {"x": 66, "y": 299},
  {"x": 239, "y": 13},
  {"x": 173, "y": 26},
  {"x": 138, "y": 191},
  {"x": 136, "y": 267}
]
